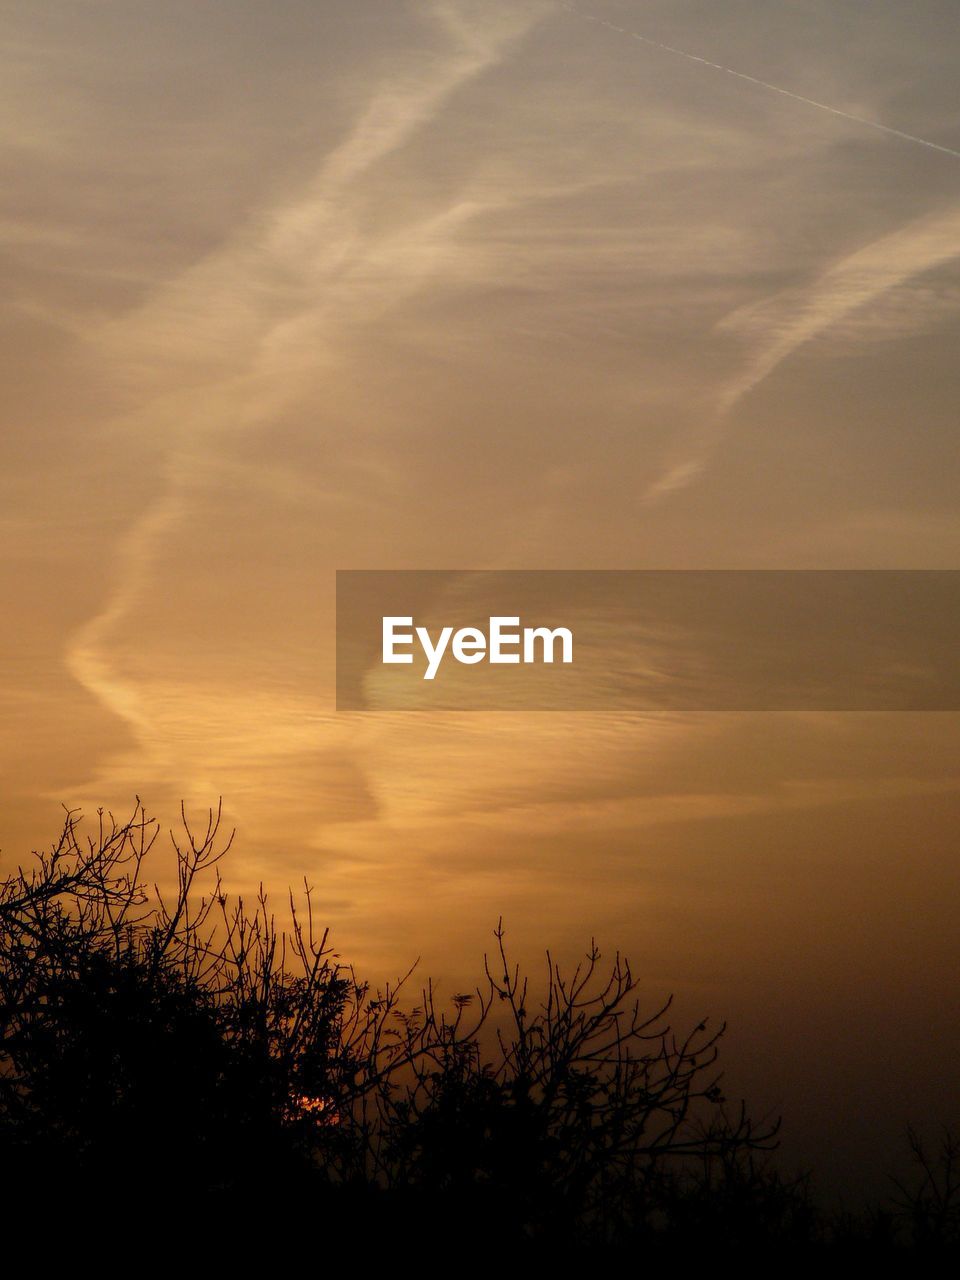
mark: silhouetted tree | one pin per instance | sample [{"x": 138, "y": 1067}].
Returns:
[
  {"x": 927, "y": 1205},
  {"x": 183, "y": 1040}
]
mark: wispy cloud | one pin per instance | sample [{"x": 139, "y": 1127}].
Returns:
[
  {"x": 786, "y": 322},
  {"x": 777, "y": 327},
  {"x": 224, "y": 346}
]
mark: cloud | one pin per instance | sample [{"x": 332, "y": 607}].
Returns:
[
  {"x": 789, "y": 320},
  {"x": 228, "y": 343},
  {"x": 779, "y": 326}
]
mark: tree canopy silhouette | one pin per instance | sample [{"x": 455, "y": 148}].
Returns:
[{"x": 183, "y": 1040}]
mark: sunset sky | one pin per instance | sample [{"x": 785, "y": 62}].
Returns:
[{"x": 301, "y": 285}]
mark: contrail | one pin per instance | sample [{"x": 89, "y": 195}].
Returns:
[
  {"x": 765, "y": 84},
  {"x": 794, "y": 318},
  {"x": 227, "y": 298}
]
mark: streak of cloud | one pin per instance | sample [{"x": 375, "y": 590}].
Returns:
[
  {"x": 792, "y": 319},
  {"x": 765, "y": 84},
  {"x": 247, "y": 325},
  {"x": 783, "y": 324},
  {"x": 788, "y": 321}
]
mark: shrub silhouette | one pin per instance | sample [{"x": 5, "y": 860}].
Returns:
[
  {"x": 184, "y": 1044},
  {"x": 928, "y": 1204}
]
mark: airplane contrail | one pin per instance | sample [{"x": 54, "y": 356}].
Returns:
[{"x": 765, "y": 84}]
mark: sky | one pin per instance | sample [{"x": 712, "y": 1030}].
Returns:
[{"x": 301, "y": 286}]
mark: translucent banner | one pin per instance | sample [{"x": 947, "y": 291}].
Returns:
[{"x": 648, "y": 640}]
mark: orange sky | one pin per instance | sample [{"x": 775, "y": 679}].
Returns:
[{"x": 300, "y": 286}]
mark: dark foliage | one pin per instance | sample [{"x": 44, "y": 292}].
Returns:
[{"x": 184, "y": 1049}]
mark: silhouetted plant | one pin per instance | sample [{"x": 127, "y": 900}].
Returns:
[
  {"x": 928, "y": 1205},
  {"x": 186, "y": 1036},
  {"x": 572, "y": 1121}
]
